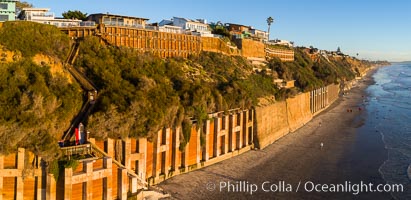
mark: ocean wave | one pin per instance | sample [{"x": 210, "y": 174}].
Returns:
[{"x": 409, "y": 171}]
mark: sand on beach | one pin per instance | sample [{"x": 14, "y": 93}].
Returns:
[{"x": 345, "y": 156}]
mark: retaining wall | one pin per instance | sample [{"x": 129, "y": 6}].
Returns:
[
  {"x": 156, "y": 159},
  {"x": 277, "y": 120}
]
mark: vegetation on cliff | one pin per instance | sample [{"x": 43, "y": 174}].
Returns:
[
  {"x": 310, "y": 74},
  {"x": 36, "y": 105},
  {"x": 31, "y": 38},
  {"x": 139, "y": 93}
]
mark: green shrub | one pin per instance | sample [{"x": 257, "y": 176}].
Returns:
[{"x": 31, "y": 38}]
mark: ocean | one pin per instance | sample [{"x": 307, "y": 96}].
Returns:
[{"x": 389, "y": 113}]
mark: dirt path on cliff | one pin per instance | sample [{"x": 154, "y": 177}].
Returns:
[{"x": 297, "y": 158}]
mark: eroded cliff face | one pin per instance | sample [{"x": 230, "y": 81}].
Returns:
[
  {"x": 7, "y": 56},
  {"x": 355, "y": 65},
  {"x": 56, "y": 66}
]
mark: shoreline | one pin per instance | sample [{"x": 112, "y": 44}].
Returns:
[{"x": 298, "y": 157}]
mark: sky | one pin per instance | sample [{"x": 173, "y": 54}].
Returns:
[{"x": 375, "y": 29}]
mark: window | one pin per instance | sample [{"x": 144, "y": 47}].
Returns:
[
  {"x": 4, "y": 18},
  {"x": 4, "y": 6}
]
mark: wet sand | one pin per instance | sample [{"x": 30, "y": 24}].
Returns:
[{"x": 347, "y": 155}]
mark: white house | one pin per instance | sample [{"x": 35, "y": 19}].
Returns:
[
  {"x": 42, "y": 15},
  {"x": 36, "y": 14},
  {"x": 263, "y": 35},
  {"x": 281, "y": 42},
  {"x": 170, "y": 29},
  {"x": 199, "y": 27}
]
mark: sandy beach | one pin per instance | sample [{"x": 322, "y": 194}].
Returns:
[{"x": 347, "y": 155}]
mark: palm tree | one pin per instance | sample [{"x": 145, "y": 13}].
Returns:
[{"x": 270, "y": 20}]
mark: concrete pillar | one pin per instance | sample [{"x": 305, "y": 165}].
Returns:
[
  {"x": 50, "y": 187},
  {"x": 311, "y": 101},
  {"x": 185, "y": 157},
  {"x": 126, "y": 152},
  {"x": 110, "y": 147},
  {"x": 165, "y": 148},
  {"x": 241, "y": 115},
  {"x": 323, "y": 97},
  {"x": 320, "y": 106},
  {"x": 122, "y": 183},
  {"x": 88, "y": 188},
  {"x": 68, "y": 186},
  {"x": 1, "y": 187},
  {"x": 143, "y": 158},
  {"x": 20, "y": 166},
  {"x": 230, "y": 133},
  {"x": 155, "y": 154},
  {"x": 198, "y": 148},
  {"x": 327, "y": 96},
  {"x": 176, "y": 152},
  {"x": 216, "y": 142},
  {"x": 244, "y": 126},
  {"x": 316, "y": 100},
  {"x": 206, "y": 153},
  {"x": 134, "y": 185},
  {"x": 107, "y": 182},
  {"x": 226, "y": 135},
  {"x": 1, "y": 176}
]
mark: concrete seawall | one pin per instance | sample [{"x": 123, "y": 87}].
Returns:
[
  {"x": 298, "y": 111},
  {"x": 277, "y": 120},
  {"x": 271, "y": 124}
]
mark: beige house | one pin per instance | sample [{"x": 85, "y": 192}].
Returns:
[{"x": 118, "y": 20}]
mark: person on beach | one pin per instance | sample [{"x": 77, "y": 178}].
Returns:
[{"x": 321, "y": 145}]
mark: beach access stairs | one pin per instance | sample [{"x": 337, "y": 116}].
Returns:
[{"x": 70, "y": 146}]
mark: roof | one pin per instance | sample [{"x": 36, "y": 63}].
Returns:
[
  {"x": 123, "y": 16},
  {"x": 36, "y": 9},
  {"x": 189, "y": 20},
  {"x": 229, "y": 24}
]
